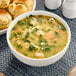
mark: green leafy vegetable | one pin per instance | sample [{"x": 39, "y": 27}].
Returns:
[
  {"x": 28, "y": 41},
  {"x": 41, "y": 36},
  {"x": 50, "y": 22},
  {"x": 19, "y": 33},
  {"x": 20, "y": 22},
  {"x": 61, "y": 27},
  {"x": 42, "y": 40},
  {"x": 31, "y": 25},
  {"x": 25, "y": 22},
  {"x": 27, "y": 35},
  {"x": 14, "y": 35},
  {"x": 56, "y": 33},
  {"x": 47, "y": 48},
  {"x": 32, "y": 47},
  {"x": 19, "y": 46},
  {"x": 31, "y": 16},
  {"x": 35, "y": 30}
]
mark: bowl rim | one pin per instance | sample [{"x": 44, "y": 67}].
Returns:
[
  {"x": 39, "y": 11},
  {"x": 5, "y": 30}
]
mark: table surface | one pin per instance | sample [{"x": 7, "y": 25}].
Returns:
[{"x": 13, "y": 67}]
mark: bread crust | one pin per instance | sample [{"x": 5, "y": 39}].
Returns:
[
  {"x": 27, "y": 3},
  {"x": 4, "y": 3},
  {"x": 10, "y": 9},
  {"x": 5, "y": 19},
  {"x": 17, "y": 9}
]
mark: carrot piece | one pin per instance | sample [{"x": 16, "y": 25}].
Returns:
[{"x": 50, "y": 36}]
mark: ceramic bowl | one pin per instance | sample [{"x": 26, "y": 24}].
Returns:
[{"x": 38, "y": 62}]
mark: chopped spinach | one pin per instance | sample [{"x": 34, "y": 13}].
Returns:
[
  {"x": 20, "y": 22},
  {"x": 19, "y": 46},
  {"x": 32, "y": 47},
  {"x": 22, "y": 39},
  {"x": 28, "y": 41},
  {"x": 50, "y": 22},
  {"x": 25, "y": 22},
  {"x": 61, "y": 27},
  {"x": 33, "y": 19},
  {"x": 41, "y": 36},
  {"x": 31, "y": 16},
  {"x": 47, "y": 48},
  {"x": 56, "y": 33},
  {"x": 42, "y": 40},
  {"x": 31, "y": 25},
  {"x": 19, "y": 33},
  {"x": 27, "y": 35},
  {"x": 35, "y": 30},
  {"x": 14, "y": 35}
]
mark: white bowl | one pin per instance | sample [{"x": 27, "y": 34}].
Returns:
[
  {"x": 4, "y": 30},
  {"x": 38, "y": 62}
]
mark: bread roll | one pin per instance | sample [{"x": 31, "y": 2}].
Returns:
[
  {"x": 19, "y": 1},
  {"x": 5, "y": 19},
  {"x": 17, "y": 9},
  {"x": 28, "y": 3},
  {"x": 4, "y": 3}
]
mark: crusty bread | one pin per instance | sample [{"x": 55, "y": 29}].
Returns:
[
  {"x": 19, "y": 1},
  {"x": 17, "y": 9},
  {"x": 10, "y": 9},
  {"x": 5, "y": 19},
  {"x": 28, "y": 3},
  {"x": 4, "y": 3}
]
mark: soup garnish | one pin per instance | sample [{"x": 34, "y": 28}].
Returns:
[{"x": 38, "y": 36}]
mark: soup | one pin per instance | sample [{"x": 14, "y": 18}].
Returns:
[{"x": 38, "y": 36}]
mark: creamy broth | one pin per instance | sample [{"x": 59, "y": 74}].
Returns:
[{"x": 38, "y": 36}]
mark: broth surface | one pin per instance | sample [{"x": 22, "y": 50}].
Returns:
[{"x": 38, "y": 36}]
